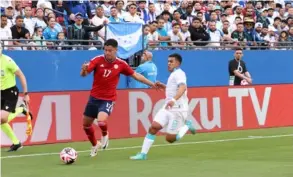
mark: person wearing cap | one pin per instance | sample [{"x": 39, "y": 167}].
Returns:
[
  {"x": 78, "y": 31},
  {"x": 263, "y": 18},
  {"x": 249, "y": 30},
  {"x": 9, "y": 12}
]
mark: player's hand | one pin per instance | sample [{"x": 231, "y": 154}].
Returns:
[
  {"x": 170, "y": 104},
  {"x": 160, "y": 85},
  {"x": 84, "y": 66},
  {"x": 249, "y": 80},
  {"x": 26, "y": 99}
]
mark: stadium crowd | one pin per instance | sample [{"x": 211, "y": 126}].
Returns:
[{"x": 175, "y": 23}]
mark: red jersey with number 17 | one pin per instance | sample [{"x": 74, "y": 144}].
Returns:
[{"x": 106, "y": 76}]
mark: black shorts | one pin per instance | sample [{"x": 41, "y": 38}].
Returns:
[
  {"x": 94, "y": 106},
  {"x": 9, "y": 98}
]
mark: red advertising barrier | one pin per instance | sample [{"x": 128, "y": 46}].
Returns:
[{"x": 58, "y": 115}]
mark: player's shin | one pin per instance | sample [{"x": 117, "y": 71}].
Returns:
[
  {"x": 6, "y": 128},
  {"x": 104, "y": 127},
  {"x": 90, "y": 132},
  {"x": 147, "y": 143},
  {"x": 182, "y": 131}
]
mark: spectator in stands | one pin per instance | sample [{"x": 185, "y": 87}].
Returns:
[
  {"x": 283, "y": 39},
  {"x": 176, "y": 37},
  {"x": 198, "y": 33},
  {"x": 107, "y": 7},
  {"x": 120, "y": 11},
  {"x": 176, "y": 17},
  {"x": 146, "y": 32},
  {"x": 19, "y": 32},
  {"x": 100, "y": 19},
  {"x": 61, "y": 41},
  {"x": 114, "y": 15},
  {"x": 38, "y": 35},
  {"x": 183, "y": 7},
  {"x": 263, "y": 18},
  {"x": 29, "y": 22},
  {"x": 39, "y": 19},
  {"x": 5, "y": 32},
  {"x": 132, "y": 16},
  {"x": 284, "y": 26},
  {"x": 81, "y": 7},
  {"x": 9, "y": 12},
  {"x": 78, "y": 31},
  {"x": 50, "y": 32},
  {"x": 250, "y": 31},
  {"x": 239, "y": 36},
  {"x": 188, "y": 15},
  {"x": 18, "y": 9},
  {"x": 290, "y": 12},
  {"x": 152, "y": 13},
  {"x": 276, "y": 26},
  {"x": 185, "y": 33},
  {"x": 214, "y": 18},
  {"x": 57, "y": 26},
  {"x": 143, "y": 11},
  {"x": 163, "y": 34},
  {"x": 216, "y": 36},
  {"x": 153, "y": 36}
]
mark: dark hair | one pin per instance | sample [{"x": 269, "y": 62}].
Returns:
[
  {"x": 3, "y": 16},
  {"x": 19, "y": 17},
  {"x": 113, "y": 7},
  {"x": 111, "y": 42},
  {"x": 116, "y": 3},
  {"x": 176, "y": 56},
  {"x": 196, "y": 19},
  {"x": 238, "y": 49},
  {"x": 153, "y": 22}
]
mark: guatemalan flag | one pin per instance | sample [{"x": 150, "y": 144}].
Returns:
[{"x": 129, "y": 37}]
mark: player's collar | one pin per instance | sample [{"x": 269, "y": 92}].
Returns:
[{"x": 176, "y": 69}]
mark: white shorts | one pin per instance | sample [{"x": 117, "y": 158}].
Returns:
[{"x": 173, "y": 120}]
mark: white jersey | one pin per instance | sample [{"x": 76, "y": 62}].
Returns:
[{"x": 176, "y": 78}]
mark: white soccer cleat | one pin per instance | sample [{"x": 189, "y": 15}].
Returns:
[
  {"x": 105, "y": 141},
  {"x": 95, "y": 149}
]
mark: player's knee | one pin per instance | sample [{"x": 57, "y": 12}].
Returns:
[
  {"x": 87, "y": 121},
  {"x": 102, "y": 123},
  {"x": 171, "y": 138}
]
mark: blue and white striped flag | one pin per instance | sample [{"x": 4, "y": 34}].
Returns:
[{"x": 129, "y": 37}]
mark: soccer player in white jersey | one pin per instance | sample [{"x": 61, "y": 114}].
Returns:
[{"x": 174, "y": 113}]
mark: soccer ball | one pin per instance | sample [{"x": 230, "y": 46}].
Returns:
[{"x": 68, "y": 155}]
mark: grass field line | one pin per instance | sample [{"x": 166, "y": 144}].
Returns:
[{"x": 158, "y": 145}]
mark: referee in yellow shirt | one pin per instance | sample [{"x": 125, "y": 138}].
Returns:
[{"x": 9, "y": 97}]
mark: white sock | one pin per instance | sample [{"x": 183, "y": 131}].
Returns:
[
  {"x": 147, "y": 143},
  {"x": 183, "y": 130}
]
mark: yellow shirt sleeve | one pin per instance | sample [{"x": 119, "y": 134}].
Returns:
[{"x": 13, "y": 67}]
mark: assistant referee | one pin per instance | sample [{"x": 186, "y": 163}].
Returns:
[{"x": 9, "y": 97}]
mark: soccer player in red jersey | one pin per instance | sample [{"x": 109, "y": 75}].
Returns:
[{"x": 107, "y": 69}]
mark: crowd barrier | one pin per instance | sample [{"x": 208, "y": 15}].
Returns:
[
  {"x": 59, "y": 70},
  {"x": 58, "y": 115}
]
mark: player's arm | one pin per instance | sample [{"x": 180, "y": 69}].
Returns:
[
  {"x": 87, "y": 68},
  {"x": 181, "y": 89},
  {"x": 142, "y": 79}
]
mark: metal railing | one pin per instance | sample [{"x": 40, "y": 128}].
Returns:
[{"x": 186, "y": 45}]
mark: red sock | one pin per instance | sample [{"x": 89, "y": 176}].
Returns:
[
  {"x": 90, "y": 132},
  {"x": 104, "y": 128}
]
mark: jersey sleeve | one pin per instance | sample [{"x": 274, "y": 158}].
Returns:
[
  {"x": 126, "y": 69},
  {"x": 180, "y": 78},
  {"x": 12, "y": 66},
  {"x": 92, "y": 64},
  {"x": 233, "y": 66}
]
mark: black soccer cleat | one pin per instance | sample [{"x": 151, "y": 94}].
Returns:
[
  {"x": 25, "y": 110},
  {"x": 15, "y": 147}
]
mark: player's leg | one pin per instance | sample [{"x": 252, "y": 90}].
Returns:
[
  {"x": 21, "y": 109},
  {"x": 178, "y": 126},
  {"x": 90, "y": 114},
  {"x": 105, "y": 110},
  {"x": 160, "y": 121},
  {"x": 8, "y": 103}
]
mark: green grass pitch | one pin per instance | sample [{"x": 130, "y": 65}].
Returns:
[{"x": 249, "y": 153}]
